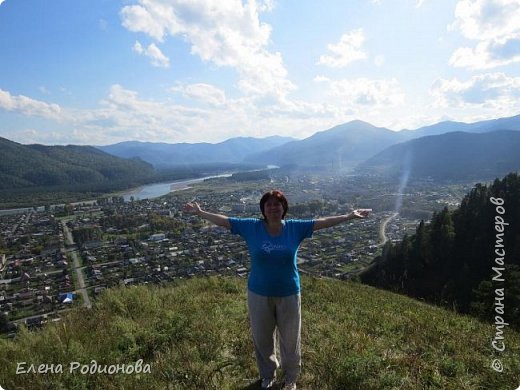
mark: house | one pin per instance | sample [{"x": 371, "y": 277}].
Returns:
[
  {"x": 34, "y": 322},
  {"x": 99, "y": 289},
  {"x": 157, "y": 237},
  {"x": 66, "y": 297}
]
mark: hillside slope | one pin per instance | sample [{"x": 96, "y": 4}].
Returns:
[
  {"x": 195, "y": 335},
  {"x": 39, "y": 165},
  {"x": 452, "y": 260},
  {"x": 451, "y": 156}
]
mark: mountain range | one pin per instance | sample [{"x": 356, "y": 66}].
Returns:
[
  {"x": 446, "y": 150},
  {"x": 343, "y": 146},
  {"x": 162, "y": 155}
]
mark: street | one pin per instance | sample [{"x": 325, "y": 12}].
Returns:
[{"x": 73, "y": 252}]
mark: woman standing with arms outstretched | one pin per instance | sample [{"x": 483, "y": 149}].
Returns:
[{"x": 273, "y": 294}]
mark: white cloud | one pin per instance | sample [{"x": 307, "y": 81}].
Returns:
[
  {"x": 266, "y": 5},
  {"x": 138, "y": 48},
  {"x": 124, "y": 115},
  {"x": 1, "y": 1},
  {"x": 158, "y": 59},
  {"x": 202, "y": 92},
  {"x": 494, "y": 25},
  {"x": 488, "y": 54},
  {"x": 380, "y": 102},
  {"x": 487, "y": 19},
  {"x": 320, "y": 79},
  {"x": 224, "y": 32},
  {"x": 139, "y": 19},
  {"x": 28, "y": 106},
  {"x": 495, "y": 92},
  {"x": 362, "y": 92},
  {"x": 347, "y": 50}
]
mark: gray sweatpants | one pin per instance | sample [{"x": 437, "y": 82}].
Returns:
[{"x": 268, "y": 314}]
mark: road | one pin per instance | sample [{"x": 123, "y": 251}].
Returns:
[
  {"x": 77, "y": 266},
  {"x": 50, "y": 313},
  {"x": 382, "y": 229}
]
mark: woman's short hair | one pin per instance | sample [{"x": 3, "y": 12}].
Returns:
[{"x": 279, "y": 196}]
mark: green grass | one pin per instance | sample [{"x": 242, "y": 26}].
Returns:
[{"x": 195, "y": 335}]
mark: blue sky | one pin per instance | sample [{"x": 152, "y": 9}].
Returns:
[{"x": 103, "y": 71}]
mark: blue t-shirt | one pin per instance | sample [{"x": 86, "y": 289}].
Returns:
[{"x": 274, "y": 270}]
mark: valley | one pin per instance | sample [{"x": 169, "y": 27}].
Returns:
[{"x": 83, "y": 249}]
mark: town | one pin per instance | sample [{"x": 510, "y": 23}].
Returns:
[{"x": 53, "y": 259}]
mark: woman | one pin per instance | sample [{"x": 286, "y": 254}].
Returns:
[{"x": 273, "y": 295}]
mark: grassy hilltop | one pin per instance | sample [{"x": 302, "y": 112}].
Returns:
[{"x": 195, "y": 335}]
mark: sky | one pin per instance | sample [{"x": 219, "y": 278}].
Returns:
[{"x": 98, "y": 72}]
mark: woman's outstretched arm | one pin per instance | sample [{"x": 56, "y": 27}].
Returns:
[
  {"x": 217, "y": 219},
  {"x": 326, "y": 222}
]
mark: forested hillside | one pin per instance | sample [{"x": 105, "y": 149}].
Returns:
[
  {"x": 23, "y": 166},
  {"x": 450, "y": 157},
  {"x": 461, "y": 257}
]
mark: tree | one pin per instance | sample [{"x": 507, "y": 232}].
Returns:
[
  {"x": 450, "y": 260},
  {"x": 69, "y": 209},
  {"x": 4, "y": 323}
]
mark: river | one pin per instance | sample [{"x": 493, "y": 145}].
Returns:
[
  {"x": 149, "y": 191},
  {"x": 155, "y": 190}
]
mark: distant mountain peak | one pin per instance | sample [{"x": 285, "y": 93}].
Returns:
[
  {"x": 357, "y": 122},
  {"x": 344, "y": 145}
]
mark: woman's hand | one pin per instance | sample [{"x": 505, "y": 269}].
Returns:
[
  {"x": 326, "y": 222},
  {"x": 217, "y": 219},
  {"x": 361, "y": 213},
  {"x": 192, "y": 208}
]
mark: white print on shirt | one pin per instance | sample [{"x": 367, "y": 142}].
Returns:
[{"x": 268, "y": 247}]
